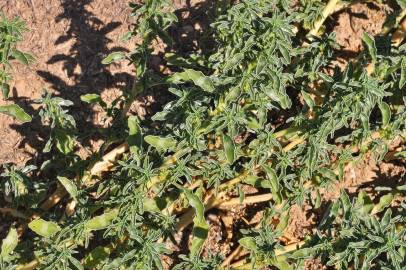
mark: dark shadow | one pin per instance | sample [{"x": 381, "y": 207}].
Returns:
[
  {"x": 34, "y": 133},
  {"x": 82, "y": 64},
  {"x": 83, "y": 61},
  {"x": 191, "y": 34}
]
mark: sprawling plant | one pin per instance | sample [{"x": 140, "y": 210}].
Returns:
[
  {"x": 267, "y": 108},
  {"x": 11, "y": 32}
]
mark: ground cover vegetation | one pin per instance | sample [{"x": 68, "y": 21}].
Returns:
[{"x": 264, "y": 105}]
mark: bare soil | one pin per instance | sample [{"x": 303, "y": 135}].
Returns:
[{"x": 68, "y": 39}]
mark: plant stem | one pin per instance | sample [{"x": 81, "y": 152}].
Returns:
[
  {"x": 215, "y": 200},
  {"x": 400, "y": 33},
  {"x": 328, "y": 10},
  {"x": 13, "y": 212},
  {"x": 29, "y": 266},
  {"x": 247, "y": 200},
  {"x": 231, "y": 257}
]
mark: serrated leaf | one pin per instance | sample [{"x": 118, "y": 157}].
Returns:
[
  {"x": 161, "y": 143},
  {"x": 248, "y": 243},
  {"x": 15, "y": 111},
  {"x": 197, "y": 77},
  {"x": 43, "y": 227},
  {"x": 9, "y": 243},
  {"x": 102, "y": 221},
  {"x": 274, "y": 181},
  {"x": 200, "y": 226},
  {"x": 386, "y": 113},
  {"x": 370, "y": 42},
  {"x": 384, "y": 202},
  {"x": 229, "y": 148},
  {"x": 113, "y": 57},
  {"x": 70, "y": 187}
]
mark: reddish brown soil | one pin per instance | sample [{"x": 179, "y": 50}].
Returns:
[
  {"x": 353, "y": 22},
  {"x": 68, "y": 39},
  {"x": 349, "y": 25}
]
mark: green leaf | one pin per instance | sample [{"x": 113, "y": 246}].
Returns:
[
  {"x": 76, "y": 263},
  {"x": 15, "y": 111},
  {"x": 150, "y": 205},
  {"x": 345, "y": 200},
  {"x": 96, "y": 256},
  {"x": 64, "y": 141},
  {"x": 401, "y": 154},
  {"x": 274, "y": 181},
  {"x": 370, "y": 42},
  {"x": 257, "y": 182},
  {"x": 229, "y": 148},
  {"x": 402, "y": 80},
  {"x": 197, "y": 77},
  {"x": 91, "y": 98},
  {"x": 9, "y": 243},
  {"x": 401, "y": 188},
  {"x": 200, "y": 226},
  {"x": 5, "y": 90},
  {"x": 44, "y": 228},
  {"x": 302, "y": 253},
  {"x": 161, "y": 143},
  {"x": 248, "y": 243},
  {"x": 325, "y": 77},
  {"x": 386, "y": 113},
  {"x": 318, "y": 200},
  {"x": 365, "y": 203},
  {"x": 113, "y": 57},
  {"x": 24, "y": 58},
  {"x": 327, "y": 173},
  {"x": 384, "y": 202},
  {"x": 102, "y": 221},
  {"x": 134, "y": 138},
  {"x": 308, "y": 99},
  {"x": 70, "y": 187},
  {"x": 283, "y": 221},
  {"x": 281, "y": 263}
]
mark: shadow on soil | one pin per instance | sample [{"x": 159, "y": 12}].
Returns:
[{"x": 84, "y": 69}]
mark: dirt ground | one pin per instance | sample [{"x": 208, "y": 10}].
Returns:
[{"x": 69, "y": 38}]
